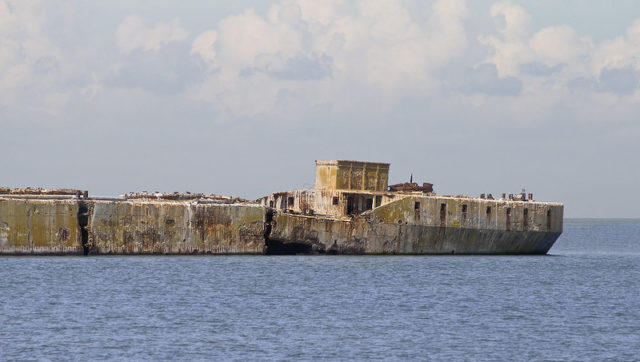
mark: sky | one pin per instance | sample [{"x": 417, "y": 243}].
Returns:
[{"x": 240, "y": 97}]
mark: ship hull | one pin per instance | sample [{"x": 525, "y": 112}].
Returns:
[
  {"x": 413, "y": 225},
  {"x": 304, "y": 234}
]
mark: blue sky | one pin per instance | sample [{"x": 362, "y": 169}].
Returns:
[{"x": 240, "y": 97}]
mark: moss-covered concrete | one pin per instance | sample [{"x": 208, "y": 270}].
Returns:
[
  {"x": 166, "y": 227},
  {"x": 39, "y": 227},
  {"x": 45, "y": 226}
]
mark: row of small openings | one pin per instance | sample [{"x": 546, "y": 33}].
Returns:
[
  {"x": 288, "y": 202},
  {"x": 525, "y": 214}
]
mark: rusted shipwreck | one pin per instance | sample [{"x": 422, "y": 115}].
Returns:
[{"x": 350, "y": 210}]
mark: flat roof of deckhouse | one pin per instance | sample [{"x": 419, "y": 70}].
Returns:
[{"x": 335, "y": 162}]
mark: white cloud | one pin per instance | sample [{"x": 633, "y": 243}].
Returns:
[
  {"x": 620, "y": 52},
  {"x": 30, "y": 62},
  {"x": 368, "y": 47},
  {"x": 512, "y": 21},
  {"x": 557, "y": 59},
  {"x": 347, "y": 57},
  {"x": 134, "y": 33},
  {"x": 559, "y": 44},
  {"x": 372, "y": 56},
  {"x": 203, "y": 46},
  {"x": 511, "y": 49}
]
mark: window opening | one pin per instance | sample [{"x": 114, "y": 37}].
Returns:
[
  {"x": 508, "y": 218},
  {"x": 443, "y": 214},
  {"x": 369, "y": 204},
  {"x": 351, "y": 205}
]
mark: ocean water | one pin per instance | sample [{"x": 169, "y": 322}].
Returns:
[{"x": 581, "y": 302}]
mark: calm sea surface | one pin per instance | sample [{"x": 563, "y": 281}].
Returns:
[{"x": 581, "y": 302}]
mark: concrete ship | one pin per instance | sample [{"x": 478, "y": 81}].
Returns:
[{"x": 350, "y": 210}]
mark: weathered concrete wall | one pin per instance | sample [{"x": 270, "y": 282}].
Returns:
[
  {"x": 351, "y": 175},
  {"x": 462, "y": 212},
  {"x": 31, "y": 226},
  {"x": 404, "y": 227},
  {"x": 168, "y": 227},
  {"x": 48, "y": 226},
  {"x": 411, "y": 225}
]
